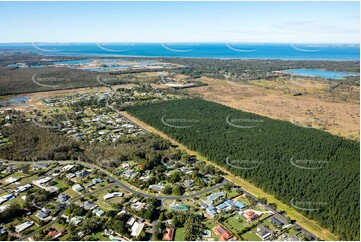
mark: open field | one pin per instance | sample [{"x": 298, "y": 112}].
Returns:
[
  {"x": 275, "y": 100},
  {"x": 308, "y": 224}
]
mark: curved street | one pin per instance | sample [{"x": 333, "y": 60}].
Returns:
[
  {"x": 125, "y": 185},
  {"x": 115, "y": 182}
]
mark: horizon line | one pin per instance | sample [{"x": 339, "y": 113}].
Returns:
[{"x": 175, "y": 42}]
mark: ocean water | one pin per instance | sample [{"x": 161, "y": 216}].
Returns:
[
  {"x": 195, "y": 50},
  {"x": 336, "y": 75}
]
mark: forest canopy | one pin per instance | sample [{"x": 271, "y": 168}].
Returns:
[{"x": 307, "y": 168}]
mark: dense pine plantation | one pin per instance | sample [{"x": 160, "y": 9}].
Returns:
[{"x": 314, "y": 171}]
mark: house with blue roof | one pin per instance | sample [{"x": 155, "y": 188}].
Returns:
[
  {"x": 214, "y": 196},
  {"x": 100, "y": 213},
  {"x": 240, "y": 205},
  {"x": 227, "y": 205},
  {"x": 211, "y": 211},
  {"x": 90, "y": 185}
]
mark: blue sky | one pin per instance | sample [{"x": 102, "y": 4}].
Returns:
[{"x": 281, "y": 22}]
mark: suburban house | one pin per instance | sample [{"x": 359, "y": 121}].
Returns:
[
  {"x": 11, "y": 180},
  {"x": 54, "y": 234},
  {"x": 223, "y": 233},
  {"x": 67, "y": 168},
  {"x": 77, "y": 188},
  {"x": 4, "y": 207},
  {"x": 188, "y": 183},
  {"x": 263, "y": 232},
  {"x": 203, "y": 205},
  {"x": 227, "y": 205},
  {"x": 97, "y": 180},
  {"x": 62, "y": 198},
  {"x": 70, "y": 175},
  {"x": 6, "y": 198},
  {"x": 138, "y": 205},
  {"x": 22, "y": 188},
  {"x": 157, "y": 187},
  {"x": 214, "y": 196},
  {"x": 169, "y": 234},
  {"x": 76, "y": 220},
  {"x": 43, "y": 214},
  {"x": 89, "y": 205},
  {"x": 131, "y": 221},
  {"x": 38, "y": 166},
  {"x": 98, "y": 212},
  {"x": 249, "y": 215},
  {"x": 113, "y": 194},
  {"x": 82, "y": 174},
  {"x": 276, "y": 222},
  {"x": 211, "y": 211},
  {"x": 129, "y": 173},
  {"x": 137, "y": 228},
  {"x": 89, "y": 185},
  {"x": 40, "y": 183},
  {"x": 23, "y": 226}
]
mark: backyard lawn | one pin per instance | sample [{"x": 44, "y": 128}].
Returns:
[
  {"x": 235, "y": 223},
  {"x": 251, "y": 235},
  {"x": 179, "y": 234}
]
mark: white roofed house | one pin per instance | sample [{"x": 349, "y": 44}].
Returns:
[
  {"x": 22, "y": 188},
  {"x": 188, "y": 183},
  {"x": 11, "y": 180},
  {"x": 39, "y": 166},
  {"x": 77, "y": 188},
  {"x": 157, "y": 187},
  {"x": 99, "y": 213},
  {"x": 43, "y": 183},
  {"x": 137, "y": 229},
  {"x": 70, "y": 175},
  {"x": 89, "y": 205},
  {"x": 127, "y": 126},
  {"x": 67, "y": 168},
  {"x": 214, "y": 196},
  {"x": 23, "y": 226},
  {"x": 62, "y": 198},
  {"x": 5, "y": 198},
  {"x": 138, "y": 205},
  {"x": 131, "y": 221},
  {"x": 113, "y": 194},
  {"x": 4, "y": 207}
]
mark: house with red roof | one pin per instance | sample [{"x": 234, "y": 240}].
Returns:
[
  {"x": 250, "y": 215},
  {"x": 223, "y": 233},
  {"x": 169, "y": 234}
]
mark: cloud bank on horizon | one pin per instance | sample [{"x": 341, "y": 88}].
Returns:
[{"x": 278, "y": 22}]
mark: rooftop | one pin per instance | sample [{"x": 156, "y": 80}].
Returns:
[{"x": 137, "y": 228}]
